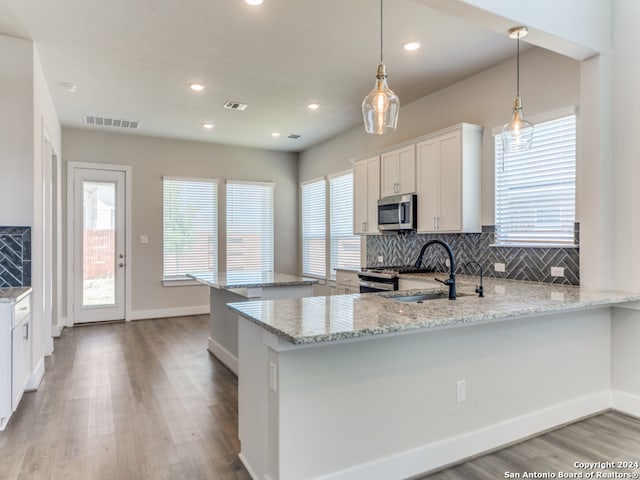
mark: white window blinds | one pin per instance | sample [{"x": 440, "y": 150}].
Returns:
[
  {"x": 190, "y": 226},
  {"x": 345, "y": 246},
  {"x": 535, "y": 189},
  {"x": 249, "y": 226},
  {"x": 314, "y": 218}
]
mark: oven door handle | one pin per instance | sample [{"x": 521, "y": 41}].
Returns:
[{"x": 377, "y": 285}]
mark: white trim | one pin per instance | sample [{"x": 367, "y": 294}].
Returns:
[
  {"x": 249, "y": 182},
  {"x": 339, "y": 174},
  {"x": 437, "y": 455},
  {"x": 128, "y": 181},
  {"x": 192, "y": 179},
  {"x": 543, "y": 117},
  {"x": 249, "y": 468},
  {"x": 56, "y": 330},
  {"x": 224, "y": 355},
  {"x": 168, "y": 312},
  {"x": 314, "y": 180},
  {"x": 626, "y": 403},
  {"x": 36, "y": 376}
]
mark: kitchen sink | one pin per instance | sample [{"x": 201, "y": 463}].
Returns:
[{"x": 421, "y": 297}]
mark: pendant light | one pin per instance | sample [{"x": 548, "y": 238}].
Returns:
[
  {"x": 517, "y": 135},
  {"x": 381, "y": 106}
]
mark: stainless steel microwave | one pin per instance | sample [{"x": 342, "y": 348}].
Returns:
[{"x": 397, "y": 213}]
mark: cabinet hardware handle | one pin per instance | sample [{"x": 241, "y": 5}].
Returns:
[
  {"x": 26, "y": 329},
  {"x": 23, "y": 308}
]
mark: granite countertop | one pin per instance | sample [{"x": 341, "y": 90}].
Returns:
[
  {"x": 340, "y": 317},
  {"x": 13, "y": 294},
  {"x": 250, "y": 279}
]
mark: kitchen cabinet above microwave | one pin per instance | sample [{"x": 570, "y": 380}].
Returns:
[
  {"x": 398, "y": 171},
  {"x": 448, "y": 165}
]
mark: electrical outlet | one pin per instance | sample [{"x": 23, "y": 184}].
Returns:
[
  {"x": 557, "y": 271},
  {"x": 499, "y": 267},
  {"x": 380, "y": 259},
  {"x": 144, "y": 239},
  {"x": 447, "y": 262},
  {"x": 461, "y": 391}
]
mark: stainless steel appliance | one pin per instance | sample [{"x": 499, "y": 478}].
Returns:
[
  {"x": 397, "y": 213},
  {"x": 384, "y": 279}
]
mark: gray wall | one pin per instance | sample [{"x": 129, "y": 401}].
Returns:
[{"x": 151, "y": 159}]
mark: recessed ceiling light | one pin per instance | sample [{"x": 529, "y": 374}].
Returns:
[
  {"x": 196, "y": 87},
  {"x": 411, "y": 46},
  {"x": 275, "y": 134},
  {"x": 253, "y": 3},
  {"x": 208, "y": 126},
  {"x": 313, "y": 106}
]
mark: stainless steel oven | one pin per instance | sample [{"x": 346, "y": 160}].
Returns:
[{"x": 397, "y": 213}]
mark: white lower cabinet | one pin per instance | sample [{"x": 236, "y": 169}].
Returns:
[{"x": 15, "y": 354}]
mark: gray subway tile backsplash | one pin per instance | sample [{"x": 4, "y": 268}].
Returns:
[
  {"x": 521, "y": 263},
  {"x": 15, "y": 256}
]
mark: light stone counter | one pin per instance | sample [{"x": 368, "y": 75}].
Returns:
[
  {"x": 340, "y": 317},
  {"x": 13, "y": 294},
  {"x": 242, "y": 286}
]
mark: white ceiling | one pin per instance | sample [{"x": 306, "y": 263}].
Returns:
[{"x": 134, "y": 60}]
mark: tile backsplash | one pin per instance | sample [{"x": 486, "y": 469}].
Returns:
[
  {"x": 521, "y": 263},
  {"x": 15, "y": 256}
]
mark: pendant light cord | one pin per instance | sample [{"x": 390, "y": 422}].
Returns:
[
  {"x": 518, "y": 66},
  {"x": 381, "y": 32}
]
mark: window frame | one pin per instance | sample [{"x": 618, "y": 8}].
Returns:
[
  {"x": 271, "y": 185},
  {"x": 330, "y": 237},
  {"x": 184, "y": 280},
  {"x": 323, "y": 181},
  {"x": 496, "y": 131}
]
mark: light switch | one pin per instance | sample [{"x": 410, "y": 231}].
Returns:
[{"x": 144, "y": 239}]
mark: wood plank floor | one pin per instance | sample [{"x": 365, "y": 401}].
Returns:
[{"x": 145, "y": 400}]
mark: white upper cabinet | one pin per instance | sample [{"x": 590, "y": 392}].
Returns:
[
  {"x": 448, "y": 165},
  {"x": 366, "y": 191},
  {"x": 398, "y": 171}
]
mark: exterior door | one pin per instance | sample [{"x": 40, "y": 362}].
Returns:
[{"x": 99, "y": 261}]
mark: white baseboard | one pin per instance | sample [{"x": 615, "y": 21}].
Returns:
[
  {"x": 626, "y": 403},
  {"x": 247, "y": 465},
  {"x": 168, "y": 312},
  {"x": 56, "y": 330},
  {"x": 224, "y": 355},
  {"x": 36, "y": 376},
  {"x": 456, "y": 449}
]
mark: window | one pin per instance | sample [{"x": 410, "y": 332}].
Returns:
[
  {"x": 345, "y": 246},
  {"x": 535, "y": 190},
  {"x": 190, "y": 226},
  {"x": 314, "y": 223},
  {"x": 249, "y": 226}
]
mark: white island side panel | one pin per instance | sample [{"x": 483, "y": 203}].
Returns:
[{"x": 385, "y": 407}]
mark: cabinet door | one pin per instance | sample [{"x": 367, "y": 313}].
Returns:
[
  {"x": 373, "y": 194},
  {"x": 21, "y": 360},
  {"x": 390, "y": 174},
  {"x": 449, "y": 218},
  {"x": 407, "y": 169},
  {"x": 428, "y": 183},
  {"x": 360, "y": 208}
]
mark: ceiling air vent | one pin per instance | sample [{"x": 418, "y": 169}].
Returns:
[
  {"x": 97, "y": 121},
  {"x": 235, "y": 105},
  {"x": 294, "y": 136}
]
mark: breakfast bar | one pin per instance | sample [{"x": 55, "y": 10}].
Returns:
[
  {"x": 376, "y": 386},
  {"x": 241, "y": 286}
]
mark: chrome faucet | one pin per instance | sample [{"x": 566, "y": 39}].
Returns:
[
  {"x": 451, "y": 281},
  {"x": 479, "y": 288}
]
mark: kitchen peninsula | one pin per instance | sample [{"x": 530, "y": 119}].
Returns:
[
  {"x": 364, "y": 386},
  {"x": 239, "y": 286}
]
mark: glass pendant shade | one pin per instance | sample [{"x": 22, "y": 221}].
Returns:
[
  {"x": 517, "y": 135},
  {"x": 381, "y": 106}
]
